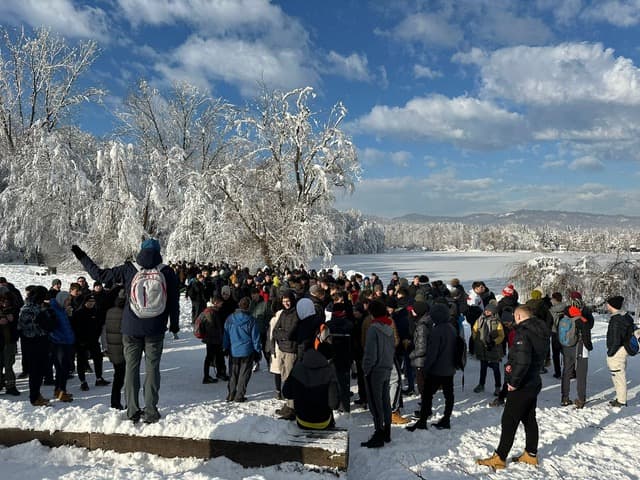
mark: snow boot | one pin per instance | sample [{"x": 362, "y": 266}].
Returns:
[
  {"x": 566, "y": 402},
  {"x": 398, "y": 419},
  {"x": 579, "y": 403},
  {"x": 419, "y": 425},
  {"x": 376, "y": 440},
  {"x": 494, "y": 461},
  {"x": 527, "y": 458}
]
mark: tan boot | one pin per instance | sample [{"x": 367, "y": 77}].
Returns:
[
  {"x": 494, "y": 461},
  {"x": 64, "y": 396},
  {"x": 526, "y": 458},
  {"x": 397, "y": 419}
]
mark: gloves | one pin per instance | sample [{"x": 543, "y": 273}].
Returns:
[{"x": 78, "y": 252}]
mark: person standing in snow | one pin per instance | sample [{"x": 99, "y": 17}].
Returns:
[
  {"x": 284, "y": 335},
  {"x": 618, "y": 333},
  {"x": 141, "y": 334},
  {"x": 242, "y": 341},
  {"x": 526, "y": 359}
]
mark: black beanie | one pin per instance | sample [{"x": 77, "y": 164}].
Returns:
[
  {"x": 439, "y": 313},
  {"x": 616, "y": 301},
  {"x": 377, "y": 309}
]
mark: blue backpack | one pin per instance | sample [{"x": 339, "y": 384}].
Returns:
[
  {"x": 567, "y": 333},
  {"x": 634, "y": 342}
]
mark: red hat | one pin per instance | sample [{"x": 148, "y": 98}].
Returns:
[
  {"x": 575, "y": 295},
  {"x": 508, "y": 290}
]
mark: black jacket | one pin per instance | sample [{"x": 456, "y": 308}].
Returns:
[
  {"x": 528, "y": 353},
  {"x": 313, "y": 386},
  {"x": 441, "y": 346},
  {"x": 285, "y": 331},
  {"x": 420, "y": 340},
  {"x": 619, "y": 332}
]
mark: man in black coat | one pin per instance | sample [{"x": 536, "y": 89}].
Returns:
[
  {"x": 526, "y": 358},
  {"x": 439, "y": 368},
  {"x": 618, "y": 334}
]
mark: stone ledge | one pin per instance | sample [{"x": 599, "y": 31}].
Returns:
[{"x": 247, "y": 454}]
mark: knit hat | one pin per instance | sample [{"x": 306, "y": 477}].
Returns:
[
  {"x": 226, "y": 289},
  {"x": 575, "y": 295},
  {"x": 151, "y": 244},
  {"x": 423, "y": 279},
  {"x": 536, "y": 295},
  {"x": 56, "y": 281},
  {"x": 616, "y": 301},
  {"x": 492, "y": 308},
  {"x": 316, "y": 291},
  {"x": 439, "y": 313},
  {"x": 508, "y": 290},
  {"x": 420, "y": 307}
]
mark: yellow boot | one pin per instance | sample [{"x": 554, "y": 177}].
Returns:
[
  {"x": 526, "y": 458},
  {"x": 398, "y": 419},
  {"x": 493, "y": 461}
]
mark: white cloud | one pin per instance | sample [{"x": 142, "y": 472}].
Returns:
[
  {"x": 373, "y": 157},
  {"x": 464, "y": 121},
  {"x": 61, "y": 16},
  {"x": 352, "y": 67},
  {"x": 421, "y": 71},
  {"x": 244, "y": 64},
  {"x": 587, "y": 163},
  {"x": 429, "y": 30},
  {"x": 621, "y": 13},
  {"x": 554, "y": 164},
  {"x": 564, "y": 11},
  {"x": 561, "y": 74}
]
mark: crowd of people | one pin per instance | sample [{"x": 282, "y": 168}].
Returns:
[{"x": 314, "y": 331}]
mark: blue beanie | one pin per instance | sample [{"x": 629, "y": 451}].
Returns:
[{"x": 151, "y": 244}]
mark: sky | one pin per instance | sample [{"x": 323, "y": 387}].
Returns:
[{"x": 456, "y": 107}]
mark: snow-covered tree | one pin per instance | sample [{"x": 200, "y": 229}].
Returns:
[{"x": 286, "y": 163}]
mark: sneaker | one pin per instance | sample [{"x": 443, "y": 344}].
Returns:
[
  {"x": 616, "y": 403},
  {"x": 84, "y": 386},
  {"x": 64, "y": 396},
  {"x": 442, "y": 424},
  {"x": 566, "y": 402},
  {"x": 376, "y": 440},
  {"x": 478, "y": 389},
  {"x": 494, "y": 461},
  {"x": 13, "y": 391},
  {"x": 527, "y": 458},
  {"x": 41, "y": 402},
  {"x": 398, "y": 419},
  {"x": 209, "y": 379},
  {"x": 579, "y": 403},
  {"x": 497, "y": 391},
  {"x": 101, "y": 382},
  {"x": 136, "y": 416},
  {"x": 496, "y": 402},
  {"x": 419, "y": 425}
]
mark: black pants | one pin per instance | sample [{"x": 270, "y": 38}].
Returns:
[
  {"x": 84, "y": 351},
  {"x": 556, "y": 349},
  {"x": 36, "y": 351},
  {"x": 344, "y": 385},
  {"x": 520, "y": 407},
  {"x": 215, "y": 357},
  {"x": 239, "y": 378},
  {"x": 118, "y": 382},
  {"x": 431, "y": 385},
  {"x": 62, "y": 355}
]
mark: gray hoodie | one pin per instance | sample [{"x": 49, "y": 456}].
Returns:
[{"x": 379, "y": 348}]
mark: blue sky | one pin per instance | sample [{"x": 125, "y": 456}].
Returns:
[{"x": 455, "y": 106}]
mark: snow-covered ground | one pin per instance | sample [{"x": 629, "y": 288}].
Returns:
[{"x": 596, "y": 442}]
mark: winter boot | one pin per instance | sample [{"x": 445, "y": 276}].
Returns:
[
  {"x": 443, "y": 424},
  {"x": 84, "y": 386},
  {"x": 616, "y": 403},
  {"x": 579, "y": 403},
  {"x": 398, "y": 419},
  {"x": 12, "y": 391},
  {"x": 40, "y": 402},
  {"x": 376, "y": 440},
  {"x": 419, "y": 425},
  {"x": 387, "y": 433},
  {"x": 494, "y": 461},
  {"x": 496, "y": 402},
  {"x": 478, "y": 389},
  {"x": 526, "y": 457},
  {"x": 64, "y": 396},
  {"x": 565, "y": 402},
  {"x": 101, "y": 382}
]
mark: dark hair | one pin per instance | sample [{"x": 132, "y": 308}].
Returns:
[
  {"x": 557, "y": 296},
  {"x": 377, "y": 309}
]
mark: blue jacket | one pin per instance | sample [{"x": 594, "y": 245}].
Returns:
[
  {"x": 131, "y": 324},
  {"x": 63, "y": 333},
  {"x": 241, "y": 336}
]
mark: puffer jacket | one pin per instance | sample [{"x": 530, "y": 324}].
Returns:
[
  {"x": 63, "y": 333},
  {"x": 441, "y": 345},
  {"x": 527, "y": 354},
  {"x": 285, "y": 331},
  {"x": 113, "y": 323},
  {"x": 420, "y": 341}
]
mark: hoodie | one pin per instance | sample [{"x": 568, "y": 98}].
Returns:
[
  {"x": 379, "y": 347},
  {"x": 131, "y": 324}
]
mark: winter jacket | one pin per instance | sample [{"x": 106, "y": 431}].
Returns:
[
  {"x": 285, "y": 331},
  {"x": 113, "y": 324},
  {"x": 441, "y": 347},
  {"x": 379, "y": 347},
  {"x": 63, "y": 333},
  {"x": 584, "y": 324},
  {"x": 340, "y": 328},
  {"x": 131, "y": 324},
  {"x": 557, "y": 311},
  {"x": 258, "y": 310},
  {"x": 313, "y": 386},
  {"x": 33, "y": 318},
  {"x": 528, "y": 353},
  {"x": 8, "y": 318},
  {"x": 241, "y": 337},
  {"x": 212, "y": 326},
  {"x": 488, "y": 335},
  {"x": 86, "y": 324},
  {"x": 619, "y": 331},
  {"x": 420, "y": 340}
]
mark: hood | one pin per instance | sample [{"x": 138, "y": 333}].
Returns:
[
  {"x": 148, "y": 258},
  {"x": 384, "y": 329},
  {"x": 314, "y": 359},
  {"x": 536, "y": 326},
  {"x": 305, "y": 308},
  {"x": 439, "y": 314}
]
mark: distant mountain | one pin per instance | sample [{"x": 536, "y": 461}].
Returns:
[{"x": 537, "y": 218}]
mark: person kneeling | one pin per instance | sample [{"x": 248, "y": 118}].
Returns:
[{"x": 313, "y": 387}]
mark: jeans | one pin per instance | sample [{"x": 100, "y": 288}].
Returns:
[
  {"x": 133, "y": 348},
  {"x": 62, "y": 355},
  {"x": 36, "y": 353},
  {"x": 495, "y": 366}
]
